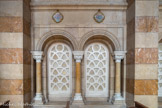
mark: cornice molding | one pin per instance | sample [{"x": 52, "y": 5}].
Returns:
[{"x": 51, "y": 5}]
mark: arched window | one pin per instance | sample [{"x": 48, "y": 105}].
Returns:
[
  {"x": 59, "y": 70},
  {"x": 96, "y": 70}
]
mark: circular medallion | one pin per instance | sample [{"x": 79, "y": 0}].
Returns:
[
  {"x": 57, "y": 17},
  {"x": 99, "y": 17}
]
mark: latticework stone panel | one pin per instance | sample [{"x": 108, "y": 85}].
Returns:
[
  {"x": 60, "y": 61},
  {"x": 96, "y": 69}
]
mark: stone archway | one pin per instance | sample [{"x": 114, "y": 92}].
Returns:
[
  {"x": 45, "y": 38},
  {"x": 101, "y": 34}
]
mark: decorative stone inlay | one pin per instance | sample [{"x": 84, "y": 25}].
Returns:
[
  {"x": 96, "y": 68},
  {"x": 57, "y": 17},
  {"x": 99, "y": 17},
  {"x": 60, "y": 61}
]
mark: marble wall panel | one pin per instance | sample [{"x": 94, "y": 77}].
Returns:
[
  {"x": 146, "y": 55},
  {"x": 11, "y": 8},
  {"x": 11, "y": 87},
  {"x": 146, "y": 40},
  {"x": 11, "y": 24},
  {"x": 11, "y": 40},
  {"x": 11, "y": 56},
  {"x": 147, "y": 8},
  {"x": 146, "y": 71},
  {"x": 147, "y": 24},
  {"x": 11, "y": 71},
  {"x": 148, "y": 100},
  {"x": 146, "y": 87}
]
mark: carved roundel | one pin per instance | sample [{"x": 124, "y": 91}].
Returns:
[
  {"x": 99, "y": 17},
  {"x": 57, "y": 17}
]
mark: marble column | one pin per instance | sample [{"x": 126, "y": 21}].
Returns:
[
  {"x": 118, "y": 56},
  {"x": 37, "y": 55},
  {"x": 78, "y": 55}
]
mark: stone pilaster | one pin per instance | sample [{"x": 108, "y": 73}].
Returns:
[
  {"x": 142, "y": 56},
  {"x": 37, "y": 55}
]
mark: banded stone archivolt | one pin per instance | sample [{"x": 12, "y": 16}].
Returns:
[
  {"x": 55, "y": 33},
  {"x": 103, "y": 33}
]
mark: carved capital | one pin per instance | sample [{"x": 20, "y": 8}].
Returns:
[
  {"x": 78, "y": 55},
  {"x": 119, "y": 55},
  {"x": 37, "y": 55}
]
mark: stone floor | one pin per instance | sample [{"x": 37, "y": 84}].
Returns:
[
  {"x": 63, "y": 104},
  {"x": 82, "y": 106},
  {"x": 99, "y": 106}
]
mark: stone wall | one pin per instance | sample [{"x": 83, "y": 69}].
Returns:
[
  {"x": 15, "y": 52},
  {"x": 78, "y": 25}
]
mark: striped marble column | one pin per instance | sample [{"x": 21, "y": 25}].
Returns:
[
  {"x": 142, "y": 57},
  {"x": 15, "y": 57}
]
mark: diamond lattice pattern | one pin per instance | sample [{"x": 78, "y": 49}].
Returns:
[
  {"x": 96, "y": 63},
  {"x": 59, "y": 68}
]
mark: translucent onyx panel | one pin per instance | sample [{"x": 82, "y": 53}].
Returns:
[
  {"x": 59, "y": 57},
  {"x": 96, "y": 69}
]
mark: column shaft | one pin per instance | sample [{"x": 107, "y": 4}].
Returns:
[
  {"x": 117, "y": 78},
  {"x": 78, "y": 82},
  {"x": 38, "y": 78}
]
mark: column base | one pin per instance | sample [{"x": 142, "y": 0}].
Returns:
[
  {"x": 78, "y": 100},
  {"x": 38, "y": 99},
  {"x": 78, "y": 97},
  {"x": 117, "y": 99}
]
